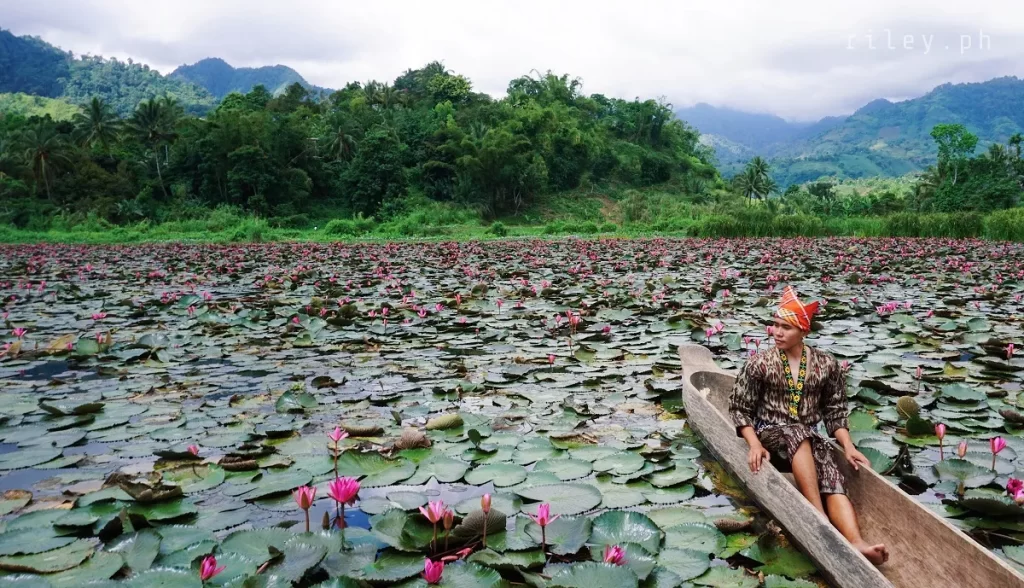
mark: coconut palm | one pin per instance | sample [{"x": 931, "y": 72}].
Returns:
[
  {"x": 97, "y": 124},
  {"x": 754, "y": 181},
  {"x": 153, "y": 124},
  {"x": 44, "y": 151}
]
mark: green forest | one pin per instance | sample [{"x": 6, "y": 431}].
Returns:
[{"x": 100, "y": 146}]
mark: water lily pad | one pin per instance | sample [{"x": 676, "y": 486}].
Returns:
[
  {"x": 616, "y": 526},
  {"x": 295, "y": 402},
  {"x": 696, "y": 536},
  {"x": 26, "y": 458},
  {"x": 165, "y": 578},
  {"x": 500, "y": 474},
  {"x": 723, "y": 577},
  {"x": 446, "y": 421},
  {"x": 565, "y": 469},
  {"x": 54, "y": 560},
  {"x": 565, "y": 536},
  {"x": 959, "y": 470},
  {"x": 620, "y": 464},
  {"x": 565, "y": 499},
  {"x": 685, "y": 563},
  {"x": 778, "y": 559},
  {"x": 139, "y": 550},
  {"x": 592, "y": 575}
]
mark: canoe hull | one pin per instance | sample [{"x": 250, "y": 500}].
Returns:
[{"x": 924, "y": 550}]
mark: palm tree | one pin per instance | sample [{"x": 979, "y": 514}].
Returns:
[
  {"x": 97, "y": 124},
  {"x": 755, "y": 181},
  {"x": 340, "y": 144},
  {"x": 45, "y": 150},
  {"x": 153, "y": 123}
]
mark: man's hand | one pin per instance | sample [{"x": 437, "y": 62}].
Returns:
[
  {"x": 856, "y": 458},
  {"x": 756, "y": 456}
]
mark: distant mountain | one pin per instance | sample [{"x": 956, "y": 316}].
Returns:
[
  {"x": 882, "y": 138},
  {"x": 220, "y": 78},
  {"x": 30, "y": 65}
]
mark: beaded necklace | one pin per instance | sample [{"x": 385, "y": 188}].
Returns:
[{"x": 796, "y": 389}]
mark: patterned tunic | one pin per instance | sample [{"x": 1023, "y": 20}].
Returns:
[{"x": 761, "y": 398}]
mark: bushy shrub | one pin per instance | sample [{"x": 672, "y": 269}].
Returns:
[
  {"x": 587, "y": 228},
  {"x": 350, "y": 227},
  {"x": 253, "y": 230},
  {"x": 498, "y": 229},
  {"x": 609, "y": 228},
  {"x": 555, "y": 228}
]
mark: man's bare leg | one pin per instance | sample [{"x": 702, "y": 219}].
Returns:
[
  {"x": 806, "y": 475},
  {"x": 842, "y": 515}
]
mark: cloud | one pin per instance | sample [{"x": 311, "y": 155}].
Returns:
[{"x": 796, "y": 58}]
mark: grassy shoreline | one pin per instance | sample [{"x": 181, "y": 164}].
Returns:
[{"x": 1006, "y": 225}]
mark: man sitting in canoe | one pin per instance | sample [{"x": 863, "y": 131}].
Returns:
[{"x": 780, "y": 395}]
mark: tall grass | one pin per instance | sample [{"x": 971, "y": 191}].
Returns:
[{"x": 444, "y": 221}]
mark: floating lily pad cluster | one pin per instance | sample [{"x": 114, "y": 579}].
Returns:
[{"x": 162, "y": 402}]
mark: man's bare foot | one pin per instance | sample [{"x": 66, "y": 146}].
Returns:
[{"x": 876, "y": 554}]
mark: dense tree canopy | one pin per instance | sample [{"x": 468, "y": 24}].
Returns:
[{"x": 363, "y": 149}]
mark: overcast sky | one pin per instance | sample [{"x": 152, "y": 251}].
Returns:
[{"x": 799, "y": 59}]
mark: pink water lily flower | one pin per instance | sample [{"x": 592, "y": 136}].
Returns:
[
  {"x": 96, "y": 316},
  {"x": 304, "y": 498},
  {"x": 209, "y": 569},
  {"x": 996, "y": 444},
  {"x": 19, "y": 332},
  {"x": 434, "y": 511},
  {"x": 344, "y": 490},
  {"x": 1013, "y": 486},
  {"x": 194, "y": 450},
  {"x": 543, "y": 516},
  {"x": 614, "y": 555},
  {"x": 337, "y": 435},
  {"x": 961, "y": 449},
  {"x": 432, "y": 571},
  {"x": 1009, "y": 351}
]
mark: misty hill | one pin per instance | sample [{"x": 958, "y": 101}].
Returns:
[
  {"x": 882, "y": 138},
  {"x": 220, "y": 78}
]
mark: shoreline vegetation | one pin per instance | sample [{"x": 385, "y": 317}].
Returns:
[{"x": 232, "y": 226}]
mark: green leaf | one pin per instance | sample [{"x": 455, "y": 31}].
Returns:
[
  {"x": 723, "y": 577},
  {"x": 500, "y": 474},
  {"x": 255, "y": 544},
  {"x": 565, "y": 499},
  {"x": 592, "y": 575},
  {"x": 960, "y": 470},
  {"x": 300, "y": 555},
  {"x": 55, "y": 560},
  {"x": 165, "y": 578},
  {"x": 620, "y": 464},
  {"x": 779, "y": 559},
  {"x": 26, "y": 458},
  {"x": 962, "y": 393},
  {"x": 378, "y": 471},
  {"x": 295, "y": 402},
  {"x": 636, "y": 558},
  {"x": 782, "y": 582},
  {"x": 101, "y": 566},
  {"x": 29, "y": 541},
  {"x": 565, "y": 536},
  {"x": 565, "y": 469},
  {"x": 271, "y": 484},
  {"x": 445, "y": 469},
  {"x": 685, "y": 563},
  {"x": 138, "y": 549},
  {"x": 401, "y": 530},
  {"x": 682, "y": 472},
  {"x": 616, "y": 526},
  {"x": 695, "y": 536},
  {"x": 393, "y": 566}
]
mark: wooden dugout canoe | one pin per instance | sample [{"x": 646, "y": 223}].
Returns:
[{"x": 924, "y": 549}]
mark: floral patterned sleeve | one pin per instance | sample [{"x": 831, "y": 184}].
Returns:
[
  {"x": 746, "y": 393},
  {"x": 834, "y": 409}
]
